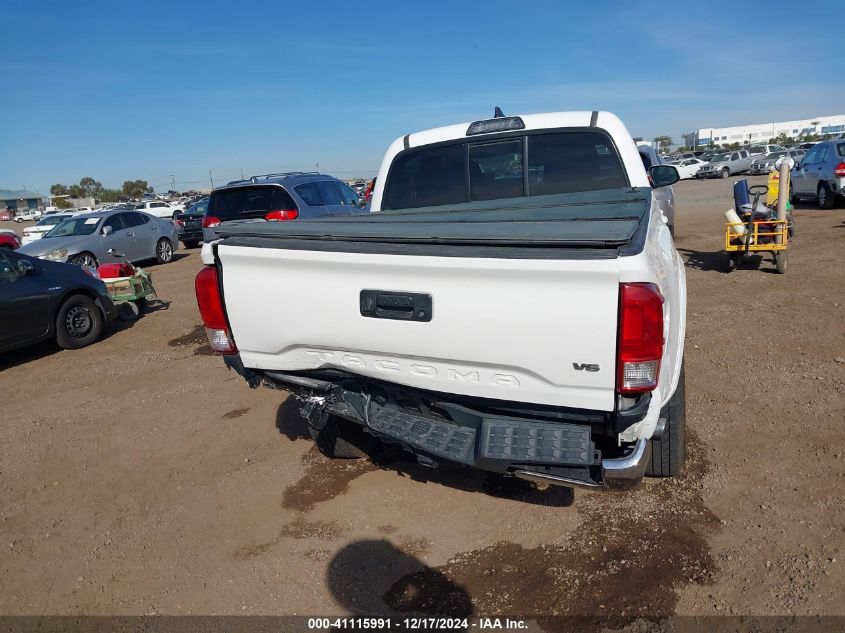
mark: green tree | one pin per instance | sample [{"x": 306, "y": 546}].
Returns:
[
  {"x": 663, "y": 142},
  {"x": 110, "y": 195},
  {"x": 91, "y": 187},
  {"x": 76, "y": 191},
  {"x": 58, "y": 190},
  {"x": 62, "y": 203},
  {"x": 136, "y": 188}
]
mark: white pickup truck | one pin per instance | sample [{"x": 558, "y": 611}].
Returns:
[{"x": 514, "y": 303}]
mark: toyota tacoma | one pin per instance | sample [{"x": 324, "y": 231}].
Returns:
[{"x": 513, "y": 303}]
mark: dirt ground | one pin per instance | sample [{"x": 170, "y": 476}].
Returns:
[{"x": 139, "y": 476}]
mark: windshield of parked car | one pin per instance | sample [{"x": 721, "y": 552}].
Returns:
[
  {"x": 198, "y": 208},
  {"x": 719, "y": 158},
  {"x": 775, "y": 155},
  {"x": 509, "y": 167},
  {"x": 74, "y": 226}
]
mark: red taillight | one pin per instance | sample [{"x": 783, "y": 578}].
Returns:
[
  {"x": 640, "y": 345},
  {"x": 284, "y": 214},
  {"x": 180, "y": 223},
  {"x": 211, "y": 310},
  {"x": 209, "y": 222},
  {"x": 839, "y": 170}
]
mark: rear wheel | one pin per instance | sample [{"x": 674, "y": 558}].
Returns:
[
  {"x": 340, "y": 438},
  {"x": 164, "y": 251},
  {"x": 824, "y": 197},
  {"x": 127, "y": 311},
  {"x": 669, "y": 452},
  {"x": 79, "y": 322},
  {"x": 733, "y": 262},
  {"x": 781, "y": 261}
]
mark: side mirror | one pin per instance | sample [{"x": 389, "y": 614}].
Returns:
[
  {"x": 107, "y": 231},
  {"x": 663, "y": 175},
  {"x": 26, "y": 267}
]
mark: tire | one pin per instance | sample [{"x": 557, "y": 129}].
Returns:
[
  {"x": 724, "y": 173},
  {"x": 781, "y": 261},
  {"x": 84, "y": 259},
  {"x": 790, "y": 226},
  {"x": 18, "y": 220},
  {"x": 733, "y": 262},
  {"x": 127, "y": 311},
  {"x": 191, "y": 243},
  {"x": 79, "y": 322},
  {"x": 339, "y": 439},
  {"x": 142, "y": 303},
  {"x": 824, "y": 197},
  {"x": 669, "y": 453},
  {"x": 164, "y": 251}
]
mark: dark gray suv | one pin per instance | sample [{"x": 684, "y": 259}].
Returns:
[{"x": 273, "y": 197}]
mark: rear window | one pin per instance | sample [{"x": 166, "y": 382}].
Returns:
[
  {"x": 248, "y": 202},
  {"x": 840, "y": 149},
  {"x": 532, "y": 165}
]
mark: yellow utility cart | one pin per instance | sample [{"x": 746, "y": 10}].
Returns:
[{"x": 757, "y": 232}]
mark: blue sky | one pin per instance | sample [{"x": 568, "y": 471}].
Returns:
[{"x": 126, "y": 90}]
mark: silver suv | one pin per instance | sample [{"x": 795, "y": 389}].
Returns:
[
  {"x": 726, "y": 164},
  {"x": 821, "y": 174},
  {"x": 285, "y": 196}
]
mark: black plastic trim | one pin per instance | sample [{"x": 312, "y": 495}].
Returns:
[{"x": 434, "y": 250}]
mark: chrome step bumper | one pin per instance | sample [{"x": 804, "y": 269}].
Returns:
[{"x": 628, "y": 468}]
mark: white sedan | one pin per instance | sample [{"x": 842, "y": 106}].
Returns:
[
  {"x": 689, "y": 167},
  {"x": 36, "y": 232},
  {"x": 160, "y": 209}
]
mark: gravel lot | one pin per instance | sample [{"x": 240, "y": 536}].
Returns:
[{"x": 139, "y": 476}]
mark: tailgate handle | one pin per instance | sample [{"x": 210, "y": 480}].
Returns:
[{"x": 402, "y": 306}]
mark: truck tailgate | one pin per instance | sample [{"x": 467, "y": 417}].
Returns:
[{"x": 531, "y": 330}]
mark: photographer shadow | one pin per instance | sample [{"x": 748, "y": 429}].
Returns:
[{"x": 369, "y": 577}]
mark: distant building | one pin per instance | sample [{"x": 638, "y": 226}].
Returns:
[
  {"x": 761, "y": 132},
  {"x": 15, "y": 199}
]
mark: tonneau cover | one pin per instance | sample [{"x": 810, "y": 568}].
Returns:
[{"x": 594, "y": 218}]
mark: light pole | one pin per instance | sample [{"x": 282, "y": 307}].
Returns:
[
  {"x": 172, "y": 183},
  {"x": 317, "y": 166}
]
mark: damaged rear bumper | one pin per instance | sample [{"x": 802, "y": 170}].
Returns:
[{"x": 565, "y": 447}]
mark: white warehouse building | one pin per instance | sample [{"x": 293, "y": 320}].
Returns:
[{"x": 762, "y": 132}]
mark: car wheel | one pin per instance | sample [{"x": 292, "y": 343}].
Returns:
[
  {"x": 824, "y": 197},
  {"x": 84, "y": 259},
  {"x": 164, "y": 251},
  {"x": 669, "y": 452},
  {"x": 725, "y": 173},
  {"x": 18, "y": 220},
  {"x": 79, "y": 322}
]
